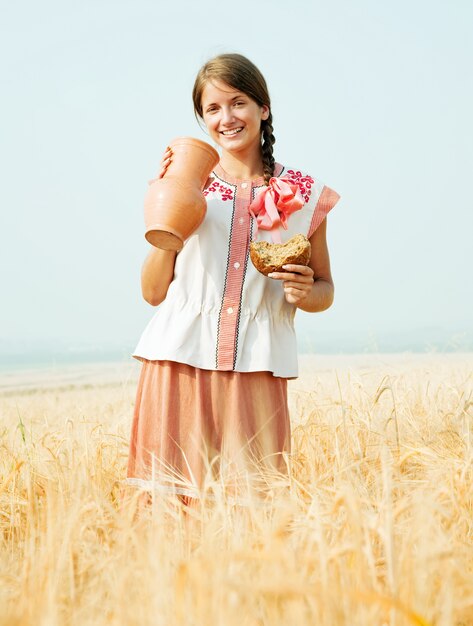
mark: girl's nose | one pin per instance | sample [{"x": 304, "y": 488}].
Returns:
[{"x": 227, "y": 116}]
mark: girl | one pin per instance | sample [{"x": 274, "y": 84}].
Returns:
[{"x": 211, "y": 409}]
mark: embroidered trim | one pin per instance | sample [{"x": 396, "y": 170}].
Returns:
[
  {"x": 247, "y": 256},
  {"x": 225, "y": 192},
  {"x": 225, "y": 281},
  {"x": 304, "y": 182}
]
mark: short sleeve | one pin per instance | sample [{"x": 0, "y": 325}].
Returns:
[{"x": 327, "y": 200}]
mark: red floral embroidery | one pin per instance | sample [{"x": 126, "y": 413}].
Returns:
[
  {"x": 215, "y": 186},
  {"x": 304, "y": 182}
]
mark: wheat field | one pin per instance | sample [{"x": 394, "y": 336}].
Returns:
[{"x": 374, "y": 527}]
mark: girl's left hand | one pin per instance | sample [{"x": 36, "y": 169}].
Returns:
[{"x": 297, "y": 281}]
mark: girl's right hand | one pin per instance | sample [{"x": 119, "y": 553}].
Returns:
[{"x": 165, "y": 161}]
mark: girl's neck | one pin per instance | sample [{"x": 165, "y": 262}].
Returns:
[{"x": 242, "y": 168}]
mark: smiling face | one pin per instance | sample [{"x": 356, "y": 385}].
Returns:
[{"x": 232, "y": 118}]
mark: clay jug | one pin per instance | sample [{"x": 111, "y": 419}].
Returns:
[{"x": 175, "y": 205}]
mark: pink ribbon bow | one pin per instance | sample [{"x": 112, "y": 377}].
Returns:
[{"x": 272, "y": 207}]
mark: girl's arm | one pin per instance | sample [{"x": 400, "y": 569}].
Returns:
[
  {"x": 158, "y": 268},
  {"x": 310, "y": 287},
  {"x": 157, "y": 275}
]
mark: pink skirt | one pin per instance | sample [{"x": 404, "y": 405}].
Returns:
[{"x": 196, "y": 430}]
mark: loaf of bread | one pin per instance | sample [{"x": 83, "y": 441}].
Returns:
[{"x": 270, "y": 257}]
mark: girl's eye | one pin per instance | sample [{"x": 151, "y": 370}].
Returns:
[{"x": 239, "y": 103}]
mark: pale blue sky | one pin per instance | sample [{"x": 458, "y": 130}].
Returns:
[{"x": 373, "y": 98}]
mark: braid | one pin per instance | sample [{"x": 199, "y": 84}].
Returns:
[{"x": 267, "y": 148}]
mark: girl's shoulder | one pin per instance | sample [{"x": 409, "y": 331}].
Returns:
[
  {"x": 308, "y": 185},
  {"x": 319, "y": 199}
]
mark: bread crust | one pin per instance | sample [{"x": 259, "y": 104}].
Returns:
[{"x": 270, "y": 257}]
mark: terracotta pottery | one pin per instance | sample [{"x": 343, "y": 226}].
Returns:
[{"x": 175, "y": 205}]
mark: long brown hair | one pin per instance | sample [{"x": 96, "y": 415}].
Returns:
[{"x": 240, "y": 73}]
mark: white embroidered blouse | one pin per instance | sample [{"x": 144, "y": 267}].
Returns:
[{"x": 220, "y": 313}]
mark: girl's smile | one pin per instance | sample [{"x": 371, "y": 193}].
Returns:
[{"x": 234, "y": 131}]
